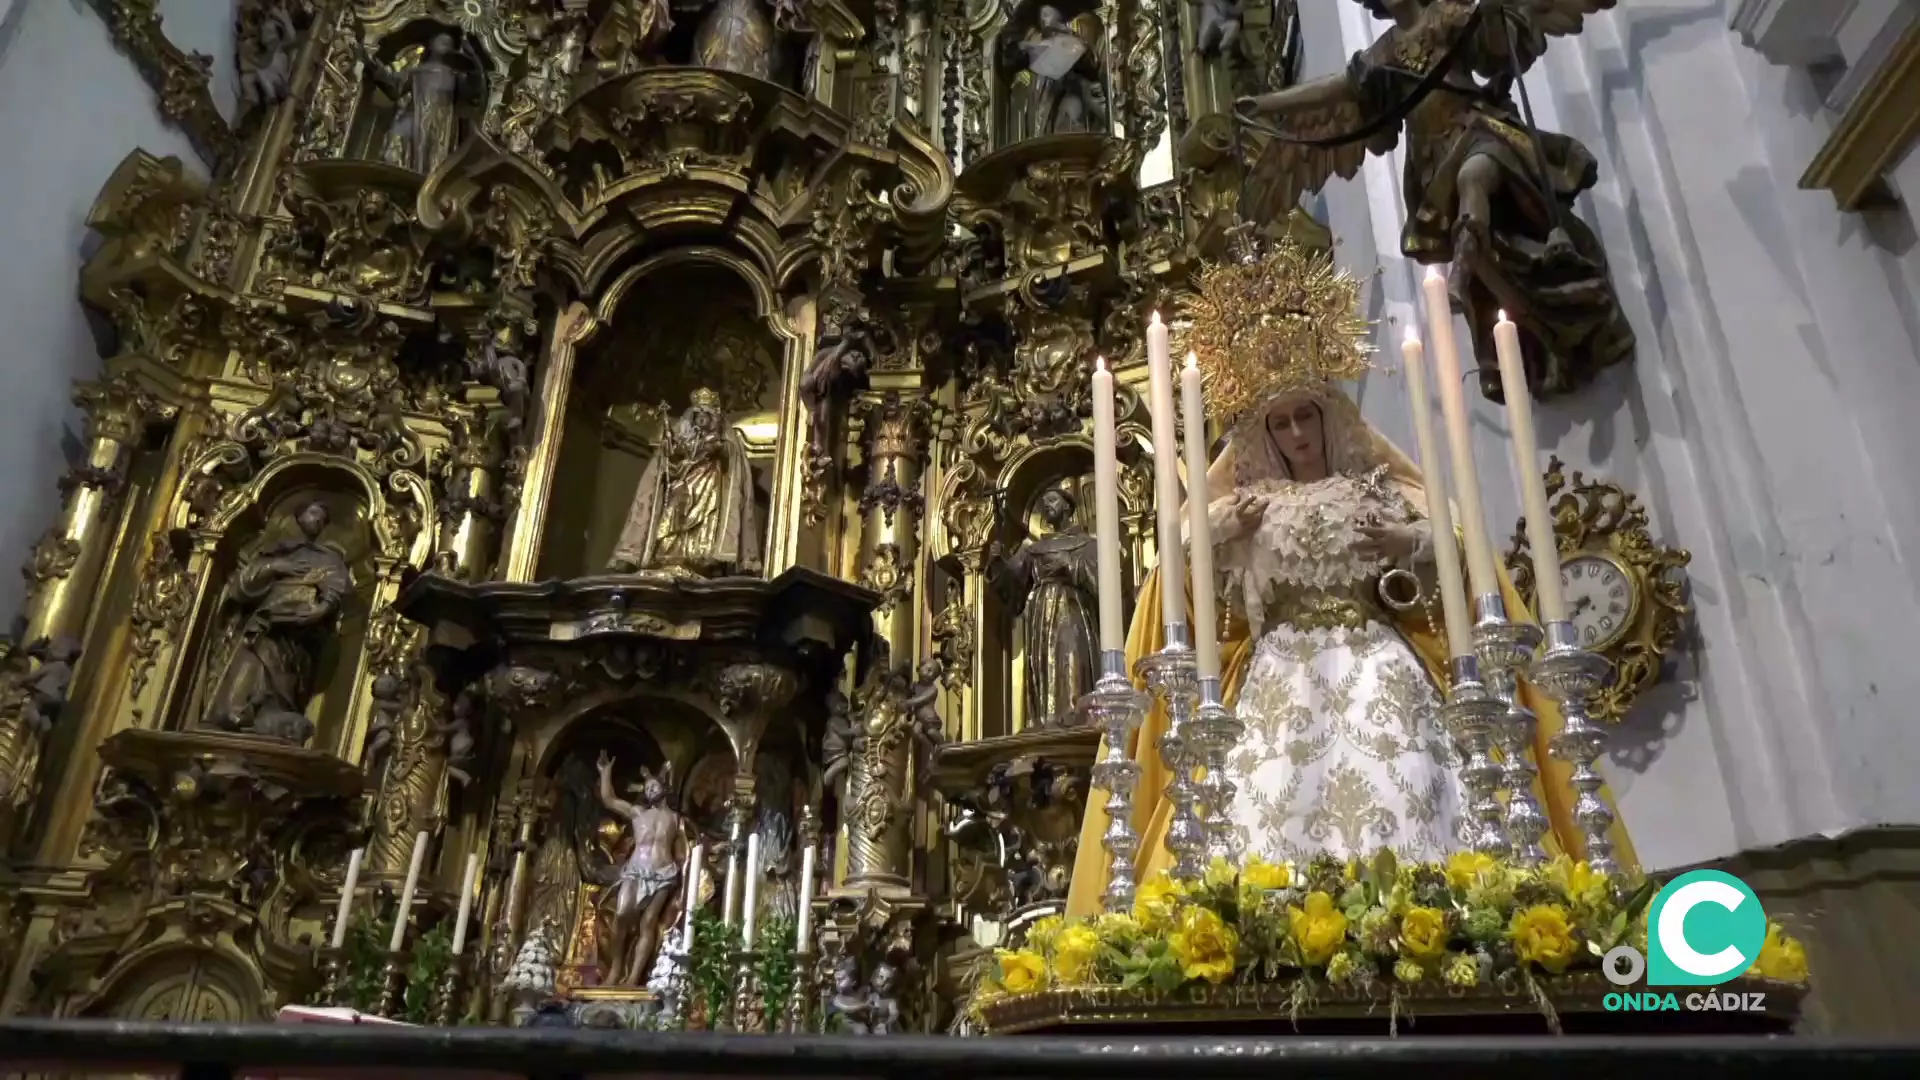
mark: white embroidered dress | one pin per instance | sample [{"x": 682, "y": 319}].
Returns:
[{"x": 1343, "y": 750}]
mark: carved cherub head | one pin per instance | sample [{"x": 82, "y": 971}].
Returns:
[
  {"x": 885, "y": 975},
  {"x": 1050, "y": 18},
  {"x": 846, "y": 975}
]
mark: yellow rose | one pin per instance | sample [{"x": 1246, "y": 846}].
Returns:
[
  {"x": 1542, "y": 935},
  {"x": 1340, "y": 969},
  {"x": 1318, "y": 929},
  {"x": 1021, "y": 972},
  {"x": 1261, "y": 874},
  {"x": 1204, "y": 945},
  {"x": 1073, "y": 953},
  {"x": 1423, "y": 934},
  {"x": 1465, "y": 867},
  {"x": 1781, "y": 957},
  {"x": 1578, "y": 880},
  {"x": 1155, "y": 902},
  {"x": 1408, "y": 971}
]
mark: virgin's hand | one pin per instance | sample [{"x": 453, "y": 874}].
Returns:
[{"x": 1388, "y": 543}]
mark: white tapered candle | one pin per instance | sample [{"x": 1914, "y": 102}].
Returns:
[
  {"x": 730, "y": 897},
  {"x": 803, "y": 926},
  {"x": 1193, "y": 411},
  {"x": 749, "y": 916},
  {"x": 1551, "y": 599},
  {"x": 1453, "y": 409},
  {"x": 696, "y": 877},
  {"x": 466, "y": 903},
  {"x": 1446, "y": 554},
  {"x": 406, "y": 894},
  {"x": 1106, "y": 510},
  {"x": 346, "y": 897},
  {"x": 1166, "y": 474}
]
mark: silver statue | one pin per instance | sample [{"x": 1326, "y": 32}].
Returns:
[
  {"x": 431, "y": 96},
  {"x": 1051, "y": 583},
  {"x": 1065, "y": 95}
]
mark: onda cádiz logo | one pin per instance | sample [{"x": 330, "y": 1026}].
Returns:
[{"x": 1704, "y": 929}]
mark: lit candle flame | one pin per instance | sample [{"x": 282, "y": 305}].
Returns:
[
  {"x": 1433, "y": 272},
  {"x": 1413, "y": 336},
  {"x": 1099, "y": 363},
  {"x": 1503, "y": 315},
  {"x": 1156, "y": 318},
  {"x": 1193, "y": 359}
]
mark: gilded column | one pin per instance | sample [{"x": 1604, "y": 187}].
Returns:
[
  {"x": 62, "y": 575},
  {"x": 473, "y": 508},
  {"x": 896, "y": 428}
]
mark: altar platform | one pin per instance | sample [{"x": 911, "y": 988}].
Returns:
[{"x": 219, "y": 1052}]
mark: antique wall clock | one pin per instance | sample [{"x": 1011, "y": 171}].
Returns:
[{"x": 1626, "y": 595}]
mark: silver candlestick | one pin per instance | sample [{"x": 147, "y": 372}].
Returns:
[
  {"x": 1116, "y": 707},
  {"x": 1218, "y": 731},
  {"x": 1505, "y": 649},
  {"x": 1571, "y": 674},
  {"x": 1471, "y": 713},
  {"x": 1174, "y": 678}
]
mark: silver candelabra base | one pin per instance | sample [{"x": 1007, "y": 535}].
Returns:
[
  {"x": 1505, "y": 649},
  {"x": 1173, "y": 677},
  {"x": 1116, "y": 708},
  {"x": 1570, "y": 674},
  {"x": 1471, "y": 714},
  {"x": 1217, "y": 731}
]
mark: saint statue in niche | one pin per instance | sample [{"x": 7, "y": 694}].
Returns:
[
  {"x": 1062, "y": 61},
  {"x": 286, "y": 598},
  {"x": 431, "y": 95},
  {"x": 694, "y": 514},
  {"x": 1485, "y": 190},
  {"x": 1052, "y": 582}
]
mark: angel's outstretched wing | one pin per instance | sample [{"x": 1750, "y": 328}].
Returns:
[
  {"x": 1282, "y": 171},
  {"x": 1526, "y": 25}
]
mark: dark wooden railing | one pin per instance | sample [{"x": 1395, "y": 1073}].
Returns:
[{"x": 216, "y": 1052}]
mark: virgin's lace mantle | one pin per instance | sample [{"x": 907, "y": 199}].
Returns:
[{"x": 1308, "y": 538}]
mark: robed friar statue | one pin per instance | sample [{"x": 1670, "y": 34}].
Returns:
[{"x": 694, "y": 514}]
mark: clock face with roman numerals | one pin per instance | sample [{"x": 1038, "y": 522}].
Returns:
[{"x": 1601, "y": 599}]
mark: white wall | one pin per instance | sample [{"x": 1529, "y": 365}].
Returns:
[
  {"x": 1767, "y": 423},
  {"x": 71, "y": 108}
]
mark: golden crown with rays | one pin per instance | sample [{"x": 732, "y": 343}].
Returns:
[{"x": 1275, "y": 317}]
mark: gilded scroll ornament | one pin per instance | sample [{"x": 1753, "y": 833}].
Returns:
[
  {"x": 265, "y": 40},
  {"x": 182, "y": 79}
]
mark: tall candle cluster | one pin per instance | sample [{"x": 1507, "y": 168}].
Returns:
[
  {"x": 1167, "y": 496},
  {"x": 1482, "y": 573}
]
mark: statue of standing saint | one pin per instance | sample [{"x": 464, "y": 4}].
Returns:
[
  {"x": 1065, "y": 93},
  {"x": 286, "y": 599},
  {"x": 694, "y": 514},
  {"x": 1053, "y": 582},
  {"x": 644, "y": 893},
  {"x": 431, "y": 95}
]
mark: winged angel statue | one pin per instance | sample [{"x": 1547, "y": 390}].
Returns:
[{"x": 1485, "y": 190}]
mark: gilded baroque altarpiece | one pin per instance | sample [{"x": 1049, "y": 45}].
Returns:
[{"x": 384, "y": 398}]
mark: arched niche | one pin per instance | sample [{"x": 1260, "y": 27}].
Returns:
[
  {"x": 1063, "y": 464},
  {"x": 687, "y": 318},
  {"x": 351, "y": 498},
  {"x": 181, "y": 984}
]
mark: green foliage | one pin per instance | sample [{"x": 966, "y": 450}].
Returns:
[
  {"x": 775, "y": 968},
  {"x": 363, "y": 957},
  {"x": 711, "y": 961},
  {"x": 432, "y": 957}
]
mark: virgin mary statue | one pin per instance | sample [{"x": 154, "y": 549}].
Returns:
[{"x": 1344, "y": 752}]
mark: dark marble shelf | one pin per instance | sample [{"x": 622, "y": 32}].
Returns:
[{"x": 216, "y": 1052}]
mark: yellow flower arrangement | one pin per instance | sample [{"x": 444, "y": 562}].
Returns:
[{"x": 1464, "y": 923}]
